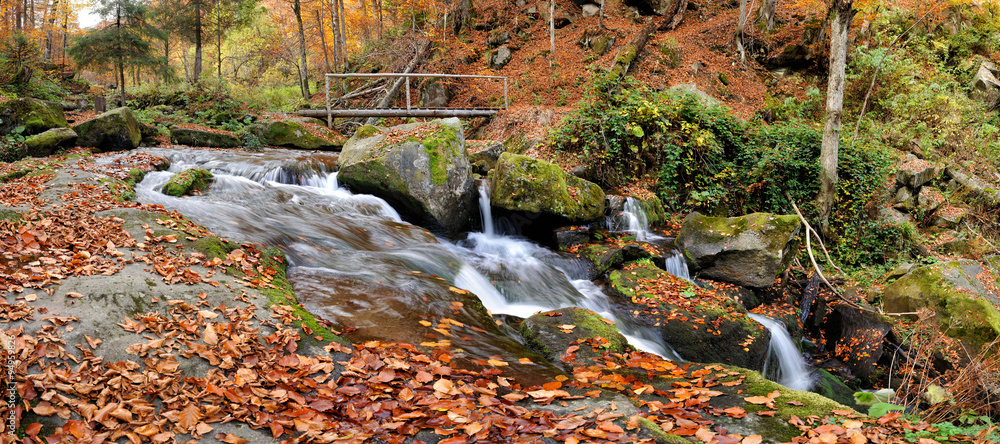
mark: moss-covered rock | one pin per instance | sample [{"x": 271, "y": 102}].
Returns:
[
  {"x": 747, "y": 250},
  {"x": 35, "y": 116},
  {"x": 187, "y": 182},
  {"x": 484, "y": 156},
  {"x": 830, "y": 387},
  {"x": 605, "y": 257},
  {"x": 523, "y": 184},
  {"x": 552, "y": 333},
  {"x": 195, "y": 137},
  {"x": 291, "y": 134},
  {"x": 703, "y": 331},
  {"x": 423, "y": 172},
  {"x": 961, "y": 295},
  {"x": 115, "y": 130},
  {"x": 45, "y": 143}
]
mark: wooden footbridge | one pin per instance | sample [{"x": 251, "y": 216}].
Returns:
[{"x": 410, "y": 111}]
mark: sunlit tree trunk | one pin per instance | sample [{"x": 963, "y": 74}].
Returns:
[
  {"x": 304, "y": 69},
  {"x": 552, "y": 30},
  {"x": 322, "y": 39},
  {"x": 741, "y": 25},
  {"x": 841, "y": 13},
  {"x": 197, "y": 42}
]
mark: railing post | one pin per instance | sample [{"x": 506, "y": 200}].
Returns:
[
  {"x": 329, "y": 115},
  {"x": 407, "y": 93},
  {"x": 506, "y": 101}
]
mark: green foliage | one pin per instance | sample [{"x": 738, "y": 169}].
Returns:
[
  {"x": 251, "y": 142},
  {"x": 12, "y": 146},
  {"x": 792, "y": 108},
  {"x": 19, "y": 60},
  {"x": 705, "y": 158}
]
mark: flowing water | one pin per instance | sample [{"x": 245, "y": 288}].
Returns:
[
  {"x": 354, "y": 262},
  {"x": 632, "y": 219},
  {"x": 792, "y": 371}
]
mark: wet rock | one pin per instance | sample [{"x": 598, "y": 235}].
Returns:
[
  {"x": 961, "y": 295},
  {"x": 291, "y": 134},
  {"x": 115, "y": 130},
  {"x": 904, "y": 200},
  {"x": 833, "y": 388},
  {"x": 523, "y": 184},
  {"x": 484, "y": 159},
  {"x": 985, "y": 86},
  {"x": 187, "y": 182},
  {"x": 734, "y": 338},
  {"x": 425, "y": 176},
  {"x": 606, "y": 257},
  {"x": 44, "y": 144},
  {"x": 195, "y": 137},
  {"x": 35, "y": 116},
  {"x": 747, "y": 250},
  {"x": 552, "y": 333},
  {"x": 648, "y": 203},
  {"x": 857, "y": 337},
  {"x": 568, "y": 237}
]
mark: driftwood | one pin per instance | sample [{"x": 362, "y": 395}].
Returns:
[{"x": 422, "y": 50}]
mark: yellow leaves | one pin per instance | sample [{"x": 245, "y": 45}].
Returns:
[{"x": 764, "y": 400}]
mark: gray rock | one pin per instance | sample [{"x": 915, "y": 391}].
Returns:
[
  {"x": 547, "y": 334},
  {"x": 291, "y": 134},
  {"x": 115, "y": 130},
  {"x": 591, "y": 10},
  {"x": 568, "y": 237},
  {"x": 915, "y": 173},
  {"x": 929, "y": 199},
  {"x": 500, "y": 58},
  {"x": 428, "y": 180},
  {"x": 41, "y": 145},
  {"x": 747, "y": 250},
  {"x": 976, "y": 186},
  {"x": 524, "y": 184},
  {"x": 436, "y": 94},
  {"x": 485, "y": 159},
  {"x": 498, "y": 38},
  {"x": 948, "y": 216},
  {"x": 692, "y": 89},
  {"x": 985, "y": 86},
  {"x": 900, "y": 271},
  {"x": 894, "y": 216}
]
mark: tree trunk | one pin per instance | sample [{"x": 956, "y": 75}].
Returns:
[
  {"x": 600, "y": 16},
  {"x": 304, "y": 71},
  {"x": 218, "y": 52},
  {"x": 767, "y": 10},
  {"x": 197, "y": 41},
  {"x": 461, "y": 15},
  {"x": 841, "y": 13},
  {"x": 322, "y": 39},
  {"x": 552, "y": 31},
  {"x": 740, "y": 28},
  {"x": 121, "y": 65},
  {"x": 343, "y": 34},
  {"x": 629, "y": 53}
]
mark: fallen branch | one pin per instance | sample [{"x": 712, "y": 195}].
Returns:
[{"x": 391, "y": 94}]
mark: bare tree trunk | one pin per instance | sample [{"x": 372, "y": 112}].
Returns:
[
  {"x": 552, "y": 31},
  {"x": 197, "y": 41},
  {"x": 461, "y": 15},
  {"x": 841, "y": 13},
  {"x": 767, "y": 10},
  {"x": 322, "y": 39},
  {"x": 304, "y": 72},
  {"x": 600, "y": 16},
  {"x": 343, "y": 34},
  {"x": 740, "y": 28}
]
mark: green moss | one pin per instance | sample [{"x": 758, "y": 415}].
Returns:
[
  {"x": 14, "y": 175},
  {"x": 521, "y": 183},
  {"x": 366, "y": 131},
  {"x": 188, "y": 181},
  {"x": 777, "y": 426},
  {"x": 214, "y": 247},
  {"x": 10, "y": 215},
  {"x": 445, "y": 138},
  {"x": 658, "y": 434},
  {"x": 283, "y": 294}
]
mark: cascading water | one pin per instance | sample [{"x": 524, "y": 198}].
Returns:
[
  {"x": 547, "y": 276},
  {"x": 633, "y": 219},
  {"x": 792, "y": 371},
  {"x": 677, "y": 265}
]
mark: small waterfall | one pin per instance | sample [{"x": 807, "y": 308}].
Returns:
[
  {"x": 677, "y": 265},
  {"x": 792, "y": 370},
  {"x": 484, "y": 208},
  {"x": 632, "y": 219}
]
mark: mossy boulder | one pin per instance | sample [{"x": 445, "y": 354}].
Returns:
[
  {"x": 188, "y": 182},
  {"x": 484, "y": 156},
  {"x": 747, "y": 250},
  {"x": 44, "y": 144},
  {"x": 605, "y": 257},
  {"x": 961, "y": 293},
  {"x": 701, "y": 331},
  {"x": 195, "y": 137},
  {"x": 115, "y": 130},
  {"x": 552, "y": 333},
  {"x": 292, "y": 134},
  {"x": 36, "y": 116},
  {"x": 423, "y": 171},
  {"x": 523, "y": 184}
]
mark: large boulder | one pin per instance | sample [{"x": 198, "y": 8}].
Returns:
[
  {"x": 961, "y": 293},
  {"x": 292, "y": 134},
  {"x": 746, "y": 250},
  {"x": 523, "y": 184},
  {"x": 915, "y": 173},
  {"x": 196, "y": 137},
  {"x": 190, "y": 181},
  {"x": 985, "y": 86},
  {"x": 700, "y": 325},
  {"x": 422, "y": 171},
  {"x": 41, "y": 145},
  {"x": 500, "y": 58},
  {"x": 36, "y": 116},
  {"x": 115, "y": 130}
]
